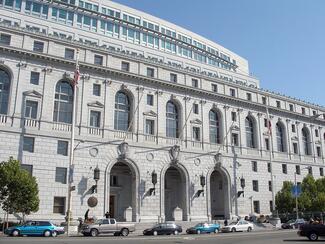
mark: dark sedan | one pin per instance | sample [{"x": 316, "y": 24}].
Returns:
[
  {"x": 293, "y": 224},
  {"x": 163, "y": 229}
]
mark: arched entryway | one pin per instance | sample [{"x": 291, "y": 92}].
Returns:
[
  {"x": 175, "y": 192},
  {"x": 122, "y": 192},
  {"x": 219, "y": 195}
]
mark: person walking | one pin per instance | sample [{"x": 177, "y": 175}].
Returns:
[
  {"x": 107, "y": 215},
  {"x": 225, "y": 222}
]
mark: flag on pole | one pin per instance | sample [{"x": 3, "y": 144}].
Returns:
[
  {"x": 76, "y": 75},
  {"x": 269, "y": 125}
]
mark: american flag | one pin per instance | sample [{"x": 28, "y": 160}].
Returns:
[
  {"x": 269, "y": 125},
  {"x": 76, "y": 76}
]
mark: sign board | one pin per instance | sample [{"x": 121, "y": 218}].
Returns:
[{"x": 296, "y": 190}]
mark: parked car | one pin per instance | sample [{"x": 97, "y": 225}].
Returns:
[
  {"x": 311, "y": 231},
  {"x": 293, "y": 224},
  {"x": 35, "y": 228},
  {"x": 106, "y": 226},
  {"x": 241, "y": 225},
  {"x": 163, "y": 229},
  {"x": 203, "y": 228}
]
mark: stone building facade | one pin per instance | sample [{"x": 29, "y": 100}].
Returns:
[{"x": 173, "y": 121}]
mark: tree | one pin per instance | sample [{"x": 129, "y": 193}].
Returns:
[
  {"x": 18, "y": 189},
  {"x": 309, "y": 193},
  {"x": 284, "y": 200}
]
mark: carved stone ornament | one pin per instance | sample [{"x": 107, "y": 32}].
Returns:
[
  {"x": 174, "y": 153},
  {"x": 92, "y": 202},
  {"x": 217, "y": 157},
  {"x": 196, "y": 121},
  {"x": 123, "y": 150}
]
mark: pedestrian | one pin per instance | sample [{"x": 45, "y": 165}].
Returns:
[
  {"x": 225, "y": 222},
  {"x": 107, "y": 215},
  {"x": 86, "y": 215}
]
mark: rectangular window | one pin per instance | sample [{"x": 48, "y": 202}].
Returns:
[
  {"x": 265, "y": 123},
  {"x": 269, "y": 167},
  {"x": 173, "y": 77},
  {"x": 270, "y": 185},
  {"x": 214, "y": 87},
  {"x": 319, "y": 152},
  {"x": 234, "y": 139},
  {"x": 295, "y": 147},
  {"x": 195, "y": 108},
  {"x": 196, "y": 134},
  {"x": 317, "y": 133},
  {"x": 195, "y": 83},
  {"x": 95, "y": 119},
  {"x": 98, "y": 60},
  {"x": 314, "y": 112},
  {"x": 59, "y": 205},
  {"x": 31, "y": 109},
  {"x": 264, "y": 100},
  {"x": 61, "y": 175},
  {"x": 233, "y": 116},
  {"x": 255, "y": 185},
  {"x": 267, "y": 144},
  {"x": 69, "y": 53},
  {"x": 62, "y": 148},
  {"x": 310, "y": 170},
  {"x": 291, "y": 107},
  {"x": 278, "y": 104},
  {"x": 150, "y": 72},
  {"x": 96, "y": 89},
  {"x": 125, "y": 66},
  {"x": 298, "y": 169},
  {"x": 34, "y": 77},
  {"x": 321, "y": 171},
  {"x": 293, "y": 128},
  {"x": 232, "y": 92},
  {"x": 5, "y": 39},
  {"x": 271, "y": 206},
  {"x": 284, "y": 169},
  {"x": 254, "y": 166},
  {"x": 150, "y": 127},
  {"x": 28, "y": 145},
  {"x": 249, "y": 96},
  {"x": 303, "y": 110},
  {"x": 150, "y": 99},
  {"x": 113, "y": 180},
  {"x": 28, "y": 168},
  {"x": 256, "y": 205},
  {"x": 38, "y": 46}
]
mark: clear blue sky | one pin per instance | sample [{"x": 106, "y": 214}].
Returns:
[{"x": 283, "y": 40}]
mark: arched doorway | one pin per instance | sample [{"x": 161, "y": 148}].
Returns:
[
  {"x": 219, "y": 195},
  {"x": 175, "y": 193},
  {"x": 122, "y": 193}
]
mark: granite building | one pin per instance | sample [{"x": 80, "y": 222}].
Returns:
[{"x": 174, "y": 122}]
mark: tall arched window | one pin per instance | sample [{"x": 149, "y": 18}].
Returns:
[
  {"x": 214, "y": 122},
  {"x": 280, "y": 137},
  {"x": 63, "y": 102},
  {"x": 122, "y": 112},
  {"x": 305, "y": 141},
  {"x": 250, "y": 137},
  {"x": 172, "y": 120},
  {"x": 4, "y": 91}
]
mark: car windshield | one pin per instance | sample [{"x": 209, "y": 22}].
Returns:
[
  {"x": 156, "y": 226},
  {"x": 99, "y": 221},
  {"x": 198, "y": 225},
  {"x": 291, "y": 221},
  {"x": 233, "y": 223}
]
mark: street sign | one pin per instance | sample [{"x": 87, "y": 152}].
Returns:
[{"x": 296, "y": 190}]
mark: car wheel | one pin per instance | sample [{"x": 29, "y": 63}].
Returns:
[
  {"x": 176, "y": 232},
  {"x": 15, "y": 233},
  {"x": 313, "y": 237},
  {"x": 198, "y": 232},
  {"x": 125, "y": 232},
  {"x": 47, "y": 233},
  {"x": 94, "y": 232},
  {"x": 54, "y": 234},
  {"x": 216, "y": 231},
  {"x": 249, "y": 229},
  {"x": 155, "y": 233},
  {"x": 233, "y": 230}
]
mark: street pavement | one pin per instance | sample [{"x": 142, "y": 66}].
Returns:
[{"x": 263, "y": 237}]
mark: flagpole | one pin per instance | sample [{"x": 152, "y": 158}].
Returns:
[
  {"x": 71, "y": 159},
  {"x": 271, "y": 152}
]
